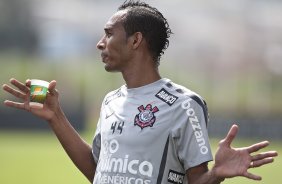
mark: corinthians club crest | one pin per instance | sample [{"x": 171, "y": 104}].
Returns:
[{"x": 146, "y": 116}]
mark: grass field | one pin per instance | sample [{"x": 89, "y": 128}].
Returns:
[{"x": 37, "y": 158}]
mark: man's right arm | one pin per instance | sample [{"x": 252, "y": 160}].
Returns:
[{"x": 77, "y": 149}]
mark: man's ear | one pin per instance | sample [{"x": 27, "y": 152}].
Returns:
[{"x": 136, "y": 39}]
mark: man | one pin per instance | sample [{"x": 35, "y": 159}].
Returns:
[{"x": 150, "y": 130}]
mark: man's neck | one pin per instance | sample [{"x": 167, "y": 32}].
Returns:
[{"x": 140, "y": 76}]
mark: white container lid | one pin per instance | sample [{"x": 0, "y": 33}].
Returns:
[{"x": 36, "y": 82}]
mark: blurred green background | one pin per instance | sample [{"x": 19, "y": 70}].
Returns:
[
  {"x": 230, "y": 52},
  {"x": 37, "y": 157}
]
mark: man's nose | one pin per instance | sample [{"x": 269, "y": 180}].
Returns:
[{"x": 101, "y": 44}]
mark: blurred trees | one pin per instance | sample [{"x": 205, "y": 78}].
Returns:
[
  {"x": 230, "y": 52},
  {"x": 16, "y": 29}
]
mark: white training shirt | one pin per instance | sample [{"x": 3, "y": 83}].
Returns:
[{"x": 150, "y": 135}]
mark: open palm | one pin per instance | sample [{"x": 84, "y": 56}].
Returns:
[{"x": 231, "y": 162}]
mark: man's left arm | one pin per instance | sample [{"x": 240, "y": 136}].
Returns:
[{"x": 202, "y": 175}]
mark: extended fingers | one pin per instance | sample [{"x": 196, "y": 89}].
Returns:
[
  {"x": 21, "y": 93},
  {"x": 14, "y": 92},
  {"x": 263, "y": 155},
  {"x": 261, "y": 162},
  {"x": 252, "y": 176},
  {"x": 28, "y": 82},
  {"x": 230, "y": 136},
  {"x": 52, "y": 87},
  {"x": 15, "y": 104},
  {"x": 263, "y": 158},
  {"x": 19, "y": 85},
  {"x": 257, "y": 146}
]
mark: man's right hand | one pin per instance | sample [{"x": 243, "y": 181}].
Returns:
[
  {"x": 22, "y": 92},
  {"x": 78, "y": 150}
]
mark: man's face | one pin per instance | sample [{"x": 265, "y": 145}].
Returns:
[{"x": 114, "y": 47}]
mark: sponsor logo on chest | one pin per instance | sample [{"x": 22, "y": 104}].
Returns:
[
  {"x": 166, "y": 97},
  {"x": 125, "y": 169}
]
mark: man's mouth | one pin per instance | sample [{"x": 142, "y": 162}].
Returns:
[{"x": 104, "y": 57}]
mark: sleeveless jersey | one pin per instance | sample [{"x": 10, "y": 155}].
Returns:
[{"x": 150, "y": 135}]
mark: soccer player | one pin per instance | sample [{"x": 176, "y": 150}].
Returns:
[{"x": 150, "y": 130}]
